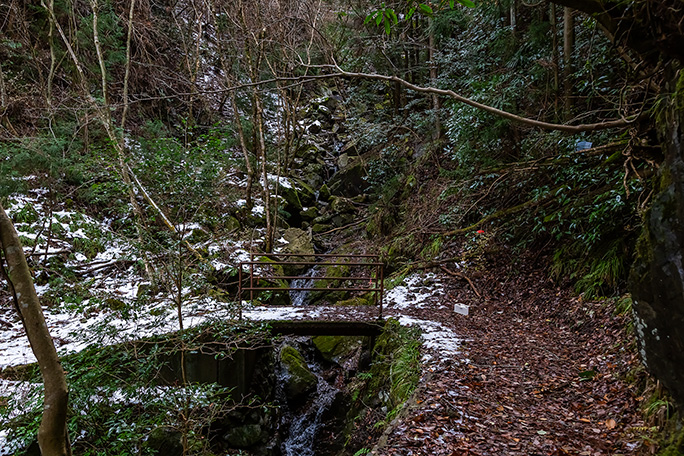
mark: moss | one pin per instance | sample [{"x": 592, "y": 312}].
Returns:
[
  {"x": 396, "y": 369},
  {"x": 299, "y": 379},
  {"x": 675, "y": 446},
  {"x": 365, "y": 300},
  {"x": 335, "y": 348}
]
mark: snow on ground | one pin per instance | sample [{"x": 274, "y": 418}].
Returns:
[
  {"x": 77, "y": 323},
  {"x": 415, "y": 292}
]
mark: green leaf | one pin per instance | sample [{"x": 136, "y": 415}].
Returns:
[
  {"x": 392, "y": 15},
  {"x": 410, "y": 13},
  {"x": 451, "y": 4},
  {"x": 426, "y": 9},
  {"x": 468, "y": 3},
  {"x": 371, "y": 16},
  {"x": 387, "y": 27},
  {"x": 378, "y": 18}
]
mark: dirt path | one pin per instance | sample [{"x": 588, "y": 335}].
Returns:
[{"x": 540, "y": 373}]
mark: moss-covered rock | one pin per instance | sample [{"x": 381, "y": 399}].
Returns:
[
  {"x": 349, "y": 181},
  {"x": 339, "y": 204},
  {"x": 331, "y": 271},
  {"x": 298, "y": 379},
  {"x": 321, "y": 228},
  {"x": 298, "y": 241},
  {"x": 309, "y": 214},
  {"x": 337, "y": 348},
  {"x": 365, "y": 300},
  {"x": 324, "y": 193}
]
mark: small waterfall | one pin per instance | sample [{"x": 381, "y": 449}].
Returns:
[
  {"x": 304, "y": 427},
  {"x": 299, "y": 297}
]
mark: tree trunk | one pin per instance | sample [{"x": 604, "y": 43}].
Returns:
[
  {"x": 657, "y": 280},
  {"x": 433, "y": 80},
  {"x": 568, "y": 48},
  {"x": 654, "y": 31},
  {"x": 554, "y": 55},
  {"x": 53, "y": 437}
]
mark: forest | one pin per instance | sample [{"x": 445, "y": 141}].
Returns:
[{"x": 339, "y": 228}]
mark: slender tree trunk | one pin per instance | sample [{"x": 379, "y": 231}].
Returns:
[
  {"x": 3, "y": 92},
  {"x": 568, "y": 48},
  {"x": 433, "y": 80},
  {"x": 514, "y": 18},
  {"x": 555, "y": 60},
  {"x": 117, "y": 140},
  {"x": 244, "y": 149},
  {"x": 53, "y": 437},
  {"x": 127, "y": 74}
]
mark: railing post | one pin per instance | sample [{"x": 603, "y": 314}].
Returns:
[
  {"x": 240, "y": 290},
  {"x": 382, "y": 284}
]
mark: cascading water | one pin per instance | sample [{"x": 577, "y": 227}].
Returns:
[
  {"x": 300, "y": 297},
  {"x": 305, "y": 427}
]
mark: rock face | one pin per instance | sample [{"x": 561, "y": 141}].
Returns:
[{"x": 657, "y": 280}]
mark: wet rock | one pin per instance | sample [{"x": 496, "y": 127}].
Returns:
[
  {"x": 314, "y": 174},
  {"x": 298, "y": 379}
]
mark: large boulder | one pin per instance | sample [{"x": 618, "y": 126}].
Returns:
[
  {"x": 338, "y": 349},
  {"x": 297, "y": 378},
  {"x": 349, "y": 181},
  {"x": 298, "y": 241}
]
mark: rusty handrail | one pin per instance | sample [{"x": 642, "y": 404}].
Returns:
[{"x": 376, "y": 284}]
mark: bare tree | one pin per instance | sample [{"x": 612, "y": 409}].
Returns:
[{"x": 53, "y": 437}]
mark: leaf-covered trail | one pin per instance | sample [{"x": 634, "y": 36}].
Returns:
[{"x": 540, "y": 373}]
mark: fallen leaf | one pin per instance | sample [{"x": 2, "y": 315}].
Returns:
[{"x": 610, "y": 424}]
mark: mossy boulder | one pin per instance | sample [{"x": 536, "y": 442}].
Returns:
[
  {"x": 339, "y": 204},
  {"x": 365, "y": 300},
  {"x": 309, "y": 214},
  {"x": 324, "y": 193},
  {"x": 341, "y": 220},
  {"x": 321, "y": 228},
  {"x": 298, "y": 241},
  {"x": 349, "y": 181},
  {"x": 336, "y": 349},
  {"x": 298, "y": 379},
  {"x": 231, "y": 224},
  {"x": 332, "y": 271}
]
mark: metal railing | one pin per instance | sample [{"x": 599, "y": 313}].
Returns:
[{"x": 258, "y": 271}]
